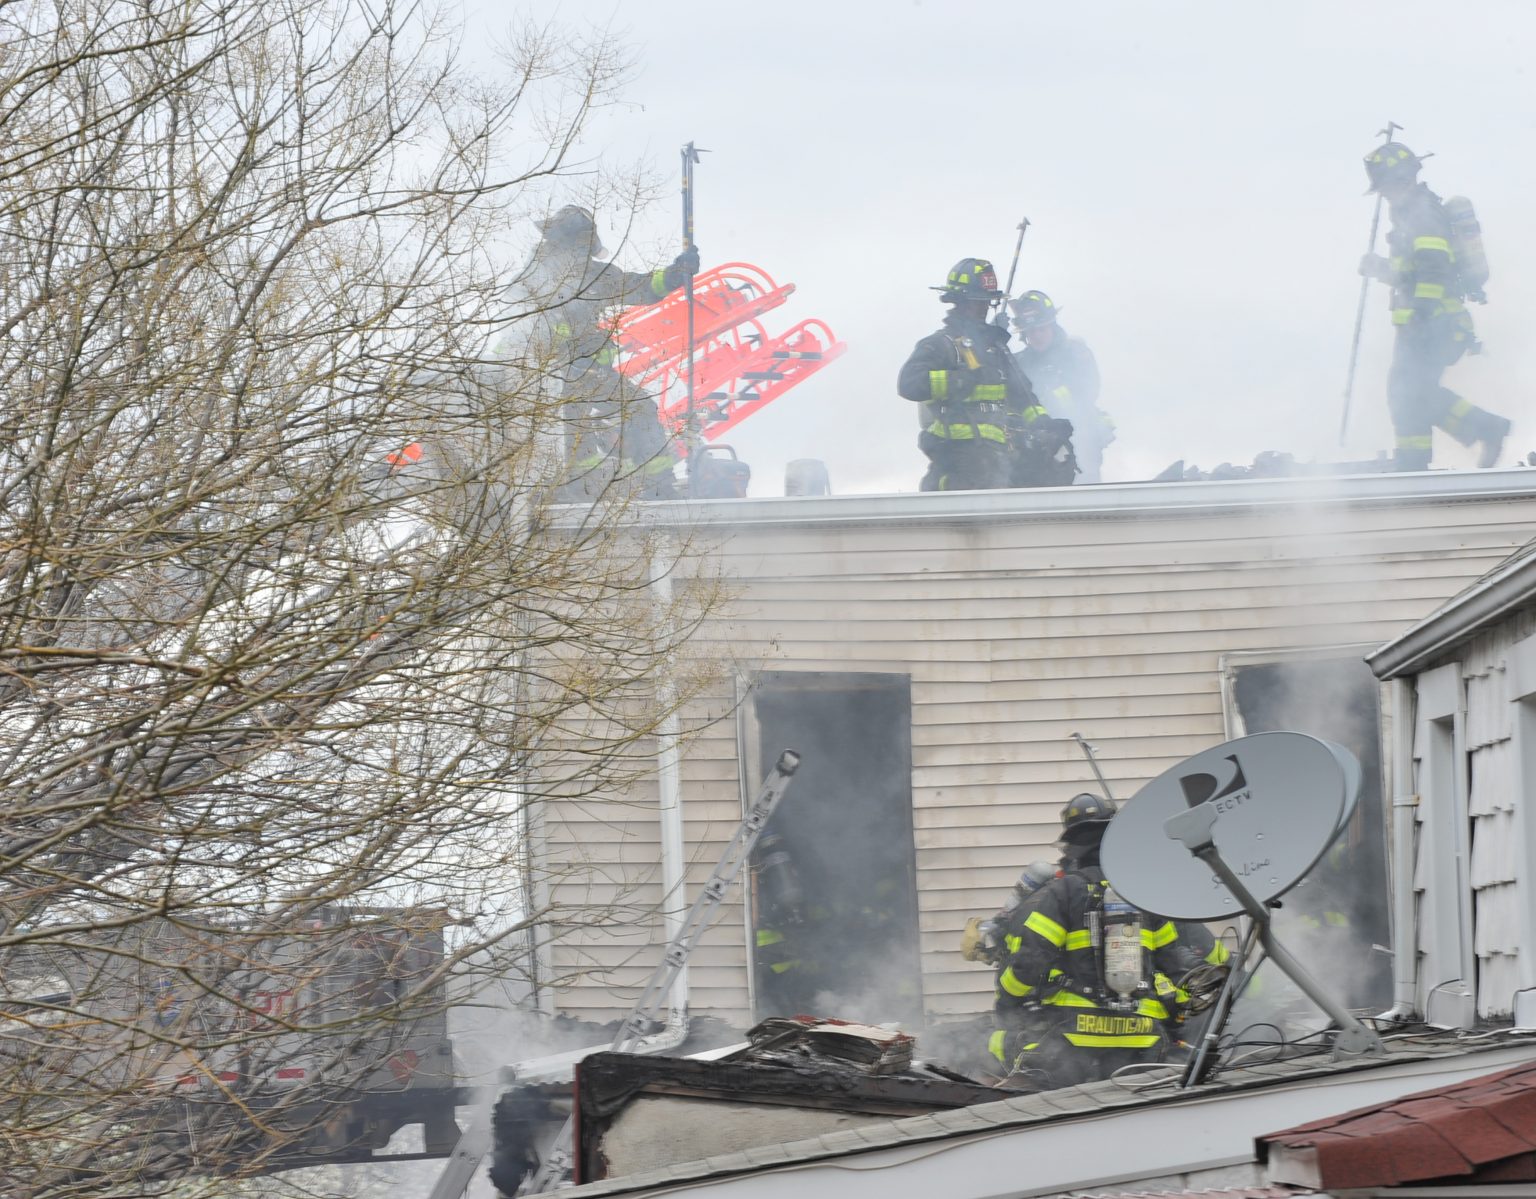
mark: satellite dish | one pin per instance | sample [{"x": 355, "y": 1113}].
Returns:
[{"x": 1280, "y": 800}]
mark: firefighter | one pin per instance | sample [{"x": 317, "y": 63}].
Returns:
[
  {"x": 1070, "y": 1010},
  {"x": 1062, "y": 371},
  {"x": 974, "y": 399},
  {"x": 558, "y": 298},
  {"x": 1434, "y": 328},
  {"x": 782, "y": 954}
]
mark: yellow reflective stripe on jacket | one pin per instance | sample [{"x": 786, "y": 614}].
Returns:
[
  {"x": 1010, "y": 982},
  {"x": 1429, "y": 291},
  {"x": 938, "y": 384},
  {"x": 768, "y": 936},
  {"x": 1401, "y": 316},
  {"x": 1115, "y": 1026},
  {"x": 1156, "y": 938},
  {"x": 1219, "y": 954},
  {"x": 1144, "y": 1007},
  {"x": 1062, "y": 393},
  {"x": 1421, "y": 441},
  {"x": 1043, "y": 926},
  {"x": 995, "y": 1044},
  {"x": 659, "y": 282},
  {"x": 1013, "y": 941},
  {"x": 994, "y": 393},
  {"x": 1033, "y": 413},
  {"x": 1080, "y": 939},
  {"x": 1091, "y": 1041},
  {"x": 967, "y": 432},
  {"x": 1432, "y": 243}
]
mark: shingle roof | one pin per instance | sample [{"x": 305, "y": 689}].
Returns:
[
  {"x": 1090, "y": 1100},
  {"x": 1481, "y": 1130}
]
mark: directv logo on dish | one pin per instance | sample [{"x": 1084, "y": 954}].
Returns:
[{"x": 1227, "y": 790}]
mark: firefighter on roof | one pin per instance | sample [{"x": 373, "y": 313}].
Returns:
[
  {"x": 1435, "y": 264},
  {"x": 1087, "y": 990},
  {"x": 1062, "y": 371},
  {"x": 557, "y": 301},
  {"x": 975, "y": 401}
]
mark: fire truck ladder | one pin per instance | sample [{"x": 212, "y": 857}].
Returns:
[{"x": 645, "y": 1016}]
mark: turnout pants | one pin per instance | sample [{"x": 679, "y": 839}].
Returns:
[
  {"x": 1080, "y": 1045},
  {"x": 974, "y": 465},
  {"x": 1419, "y": 403}
]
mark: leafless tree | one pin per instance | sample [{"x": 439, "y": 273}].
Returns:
[{"x": 293, "y": 630}]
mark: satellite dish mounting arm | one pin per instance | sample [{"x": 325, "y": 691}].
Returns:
[{"x": 1194, "y": 828}]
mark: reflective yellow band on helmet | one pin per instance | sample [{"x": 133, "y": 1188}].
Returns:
[
  {"x": 1042, "y": 925},
  {"x": 938, "y": 384},
  {"x": 1418, "y": 442},
  {"x": 1156, "y": 938},
  {"x": 968, "y": 432},
  {"x": 1010, "y": 983},
  {"x": 1092, "y": 1041},
  {"x": 1432, "y": 243},
  {"x": 1080, "y": 939},
  {"x": 995, "y": 1044},
  {"x": 1115, "y": 1026},
  {"x": 1062, "y": 393},
  {"x": 659, "y": 282},
  {"x": 1429, "y": 291}
]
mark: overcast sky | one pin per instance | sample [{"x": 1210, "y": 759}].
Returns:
[{"x": 1192, "y": 169}]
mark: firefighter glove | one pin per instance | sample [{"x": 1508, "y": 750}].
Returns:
[
  {"x": 684, "y": 265},
  {"x": 1374, "y": 266},
  {"x": 971, "y": 947}
]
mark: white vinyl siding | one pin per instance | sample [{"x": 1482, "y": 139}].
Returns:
[{"x": 1017, "y": 631}]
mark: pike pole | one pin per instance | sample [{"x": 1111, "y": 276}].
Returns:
[
  {"x": 1365, "y": 287},
  {"x": 1094, "y": 762},
  {"x": 1001, "y": 320},
  {"x": 691, "y": 431}
]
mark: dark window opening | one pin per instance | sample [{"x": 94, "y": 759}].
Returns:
[
  {"x": 1335, "y": 919},
  {"x": 833, "y": 894}
]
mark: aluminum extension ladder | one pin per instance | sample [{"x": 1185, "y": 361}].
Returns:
[{"x": 475, "y": 1142}]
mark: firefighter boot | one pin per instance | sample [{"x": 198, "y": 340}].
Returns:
[{"x": 1492, "y": 441}]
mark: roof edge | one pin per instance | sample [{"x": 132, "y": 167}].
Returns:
[
  {"x": 1508, "y": 588},
  {"x": 1097, "y": 500}
]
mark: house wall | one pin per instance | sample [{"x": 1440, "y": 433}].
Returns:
[
  {"x": 1485, "y": 688},
  {"x": 1017, "y": 627}
]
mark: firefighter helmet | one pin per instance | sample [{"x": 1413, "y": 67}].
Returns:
[
  {"x": 1390, "y": 162},
  {"x": 573, "y": 226},
  {"x": 1085, "y": 818},
  {"x": 1033, "y": 310},
  {"x": 970, "y": 278}
]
